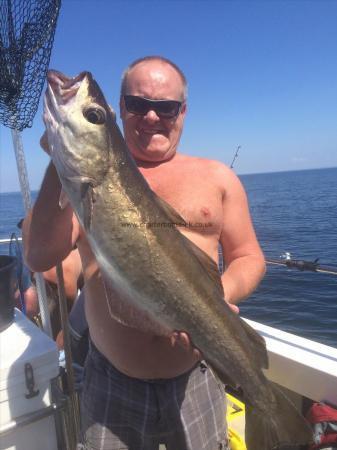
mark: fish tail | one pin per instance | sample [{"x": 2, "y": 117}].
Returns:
[{"x": 281, "y": 425}]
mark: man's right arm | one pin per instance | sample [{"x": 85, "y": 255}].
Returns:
[{"x": 49, "y": 232}]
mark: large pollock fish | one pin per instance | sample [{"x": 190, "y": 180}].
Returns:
[{"x": 157, "y": 268}]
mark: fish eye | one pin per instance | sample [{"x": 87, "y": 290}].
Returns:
[{"x": 95, "y": 115}]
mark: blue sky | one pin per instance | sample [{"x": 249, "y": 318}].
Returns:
[{"x": 262, "y": 74}]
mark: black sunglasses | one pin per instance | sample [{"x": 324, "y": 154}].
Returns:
[{"x": 167, "y": 109}]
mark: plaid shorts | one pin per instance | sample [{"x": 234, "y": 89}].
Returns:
[{"x": 182, "y": 413}]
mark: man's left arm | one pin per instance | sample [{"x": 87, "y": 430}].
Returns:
[{"x": 243, "y": 258}]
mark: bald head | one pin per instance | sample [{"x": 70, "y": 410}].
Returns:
[{"x": 154, "y": 64}]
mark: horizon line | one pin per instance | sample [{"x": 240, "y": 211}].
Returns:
[{"x": 238, "y": 174}]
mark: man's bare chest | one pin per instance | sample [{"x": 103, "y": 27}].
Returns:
[{"x": 199, "y": 202}]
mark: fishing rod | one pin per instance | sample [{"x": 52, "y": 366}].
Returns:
[
  {"x": 8, "y": 241},
  {"x": 302, "y": 265},
  {"x": 235, "y": 156}
]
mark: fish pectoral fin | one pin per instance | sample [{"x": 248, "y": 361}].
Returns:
[
  {"x": 88, "y": 200},
  {"x": 171, "y": 213},
  {"x": 63, "y": 200}
]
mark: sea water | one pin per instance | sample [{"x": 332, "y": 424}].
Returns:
[{"x": 294, "y": 212}]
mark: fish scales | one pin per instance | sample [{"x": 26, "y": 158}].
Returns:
[{"x": 193, "y": 302}]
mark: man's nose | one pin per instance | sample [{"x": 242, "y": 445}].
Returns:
[{"x": 151, "y": 116}]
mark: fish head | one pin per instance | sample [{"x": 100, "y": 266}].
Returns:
[{"x": 78, "y": 122}]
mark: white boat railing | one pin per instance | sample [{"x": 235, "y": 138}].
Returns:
[
  {"x": 303, "y": 366},
  {"x": 299, "y": 364}
]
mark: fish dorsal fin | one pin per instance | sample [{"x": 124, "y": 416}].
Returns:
[
  {"x": 172, "y": 215},
  {"x": 257, "y": 345},
  {"x": 208, "y": 264},
  {"x": 206, "y": 261},
  {"x": 256, "y": 342}
]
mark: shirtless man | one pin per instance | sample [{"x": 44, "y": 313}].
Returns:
[{"x": 141, "y": 388}]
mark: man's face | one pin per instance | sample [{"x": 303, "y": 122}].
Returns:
[{"x": 150, "y": 137}]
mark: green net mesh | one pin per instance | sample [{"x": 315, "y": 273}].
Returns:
[{"x": 27, "y": 29}]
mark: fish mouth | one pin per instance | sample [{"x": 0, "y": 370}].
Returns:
[
  {"x": 64, "y": 118},
  {"x": 63, "y": 87},
  {"x": 61, "y": 92}
]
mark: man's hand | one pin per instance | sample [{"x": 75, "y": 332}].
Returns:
[{"x": 182, "y": 338}]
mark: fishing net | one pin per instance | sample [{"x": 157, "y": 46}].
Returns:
[{"x": 27, "y": 29}]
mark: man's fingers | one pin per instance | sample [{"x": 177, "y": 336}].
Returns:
[
  {"x": 181, "y": 338},
  {"x": 234, "y": 308}
]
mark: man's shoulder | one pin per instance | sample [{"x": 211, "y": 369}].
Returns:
[{"x": 211, "y": 166}]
